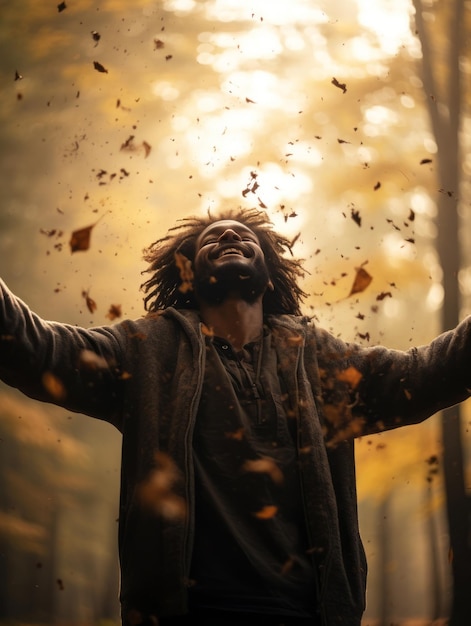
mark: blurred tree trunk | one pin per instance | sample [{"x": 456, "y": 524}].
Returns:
[{"x": 444, "y": 101}]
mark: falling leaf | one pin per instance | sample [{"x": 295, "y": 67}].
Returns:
[
  {"x": 361, "y": 282},
  {"x": 18, "y": 76},
  {"x": 158, "y": 44},
  {"x": 377, "y": 186},
  {"x": 252, "y": 185},
  {"x": 341, "y": 86},
  {"x": 411, "y": 217},
  {"x": 80, "y": 239},
  {"x": 96, "y": 36},
  {"x": 264, "y": 466},
  {"x": 267, "y": 512},
  {"x": 114, "y": 312},
  {"x": 186, "y": 272},
  {"x": 351, "y": 376},
  {"x": 383, "y": 295},
  {"x": 89, "y": 360},
  {"x": 61, "y": 7},
  {"x": 99, "y": 67},
  {"x": 91, "y": 304},
  {"x": 237, "y": 435},
  {"x": 250, "y": 101},
  {"x": 156, "y": 491},
  {"x": 356, "y": 217},
  {"x": 53, "y": 386},
  {"x": 424, "y": 161}
]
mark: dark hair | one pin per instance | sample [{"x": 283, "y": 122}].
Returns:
[{"x": 171, "y": 257}]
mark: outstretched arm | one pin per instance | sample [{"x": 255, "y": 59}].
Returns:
[
  {"x": 73, "y": 367},
  {"x": 367, "y": 390}
]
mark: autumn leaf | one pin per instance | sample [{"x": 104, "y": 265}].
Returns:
[
  {"x": 186, "y": 272},
  {"x": 351, "y": 376},
  {"x": 356, "y": 217},
  {"x": 89, "y": 360},
  {"x": 264, "y": 466},
  {"x": 80, "y": 238},
  {"x": 361, "y": 281},
  {"x": 91, "y": 304},
  {"x": 341, "y": 86},
  {"x": 99, "y": 67},
  {"x": 267, "y": 512},
  {"x": 53, "y": 386},
  {"x": 156, "y": 492},
  {"x": 114, "y": 312},
  {"x": 61, "y": 7}
]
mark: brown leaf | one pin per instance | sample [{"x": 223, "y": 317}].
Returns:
[
  {"x": 267, "y": 512},
  {"x": 356, "y": 217},
  {"x": 156, "y": 491},
  {"x": 351, "y": 376},
  {"x": 91, "y": 304},
  {"x": 61, "y": 7},
  {"x": 361, "y": 282},
  {"x": 265, "y": 466},
  {"x": 341, "y": 86},
  {"x": 114, "y": 312},
  {"x": 80, "y": 239},
  {"x": 99, "y": 67},
  {"x": 186, "y": 272},
  {"x": 53, "y": 386}
]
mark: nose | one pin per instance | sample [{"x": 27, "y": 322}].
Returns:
[{"x": 229, "y": 235}]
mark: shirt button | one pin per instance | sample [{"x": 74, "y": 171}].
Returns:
[{"x": 225, "y": 346}]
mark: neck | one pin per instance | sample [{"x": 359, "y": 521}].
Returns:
[{"x": 235, "y": 320}]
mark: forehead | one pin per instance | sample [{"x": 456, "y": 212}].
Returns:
[{"x": 217, "y": 228}]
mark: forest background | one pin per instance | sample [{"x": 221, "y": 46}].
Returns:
[{"x": 348, "y": 122}]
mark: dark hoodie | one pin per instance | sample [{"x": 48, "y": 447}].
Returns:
[{"x": 145, "y": 377}]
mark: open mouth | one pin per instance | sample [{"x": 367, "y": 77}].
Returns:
[{"x": 230, "y": 250}]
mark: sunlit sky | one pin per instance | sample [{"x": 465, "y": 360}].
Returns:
[{"x": 233, "y": 88}]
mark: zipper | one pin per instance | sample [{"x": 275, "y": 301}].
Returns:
[
  {"x": 320, "y": 584},
  {"x": 189, "y": 529}
]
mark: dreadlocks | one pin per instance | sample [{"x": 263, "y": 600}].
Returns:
[{"x": 171, "y": 257}]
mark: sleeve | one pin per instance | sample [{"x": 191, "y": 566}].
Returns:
[
  {"x": 73, "y": 367},
  {"x": 367, "y": 390}
]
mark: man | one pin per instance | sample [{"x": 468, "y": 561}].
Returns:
[{"x": 238, "y": 501}]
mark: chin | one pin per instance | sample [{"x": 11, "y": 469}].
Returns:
[{"x": 217, "y": 288}]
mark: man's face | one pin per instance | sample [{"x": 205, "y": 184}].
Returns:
[{"x": 229, "y": 261}]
